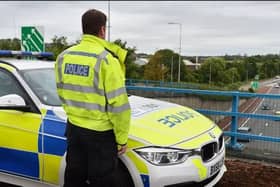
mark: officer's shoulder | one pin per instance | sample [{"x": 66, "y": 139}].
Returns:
[
  {"x": 110, "y": 53},
  {"x": 64, "y": 52}
]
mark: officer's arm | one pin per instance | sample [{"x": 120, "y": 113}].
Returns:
[{"x": 118, "y": 106}]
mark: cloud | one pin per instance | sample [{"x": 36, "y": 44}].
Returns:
[{"x": 209, "y": 28}]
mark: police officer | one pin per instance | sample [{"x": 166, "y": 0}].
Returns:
[{"x": 90, "y": 83}]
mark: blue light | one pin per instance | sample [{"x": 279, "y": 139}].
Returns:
[
  {"x": 25, "y": 53},
  {"x": 5, "y": 52}
]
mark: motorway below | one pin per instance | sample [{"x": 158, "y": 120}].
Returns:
[
  {"x": 265, "y": 127},
  {"x": 264, "y": 150}
]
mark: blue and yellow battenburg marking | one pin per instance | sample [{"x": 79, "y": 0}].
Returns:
[
  {"x": 18, "y": 143},
  {"x": 52, "y": 147},
  {"x": 30, "y": 146}
]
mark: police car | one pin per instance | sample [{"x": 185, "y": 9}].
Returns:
[{"x": 169, "y": 145}]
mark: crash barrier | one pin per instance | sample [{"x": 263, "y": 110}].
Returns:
[{"x": 234, "y": 113}]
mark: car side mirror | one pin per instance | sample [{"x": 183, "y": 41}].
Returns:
[{"x": 13, "y": 102}]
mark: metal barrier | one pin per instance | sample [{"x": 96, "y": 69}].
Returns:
[{"x": 235, "y": 114}]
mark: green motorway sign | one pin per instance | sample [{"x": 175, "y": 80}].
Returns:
[
  {"x": 255, "y": 85},
  {"x": 32, "y": 39}
]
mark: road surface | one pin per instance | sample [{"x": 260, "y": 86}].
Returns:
[{"x": 265, "y": 127}]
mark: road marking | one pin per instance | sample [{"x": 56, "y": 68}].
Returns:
[
  {"x": 268, "y": 91},
  {"x": 244, "y": 123},
  {"x": 266, "y": 124}
]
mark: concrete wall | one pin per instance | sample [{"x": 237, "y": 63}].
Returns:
[{"x": 191, "y": 101}]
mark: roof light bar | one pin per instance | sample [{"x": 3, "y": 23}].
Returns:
[{"x": 25, "y": 53}]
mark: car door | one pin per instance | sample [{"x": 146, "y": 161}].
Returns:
[
  {"x": 19, "y": 132},
  {"x": 52, "y": 142}
]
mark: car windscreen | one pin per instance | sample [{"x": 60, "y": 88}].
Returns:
[{"x": 42, "y": 83}]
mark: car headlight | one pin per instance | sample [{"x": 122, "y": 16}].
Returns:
[{"x": 163, "y": 155}]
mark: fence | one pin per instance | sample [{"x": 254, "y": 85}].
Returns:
[{"x": 234, "y": 113}]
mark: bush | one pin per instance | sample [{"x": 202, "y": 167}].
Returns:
[{"x": 251, "y": 90}]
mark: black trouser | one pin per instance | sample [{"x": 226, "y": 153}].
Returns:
[{"x": 91, "y": 157}]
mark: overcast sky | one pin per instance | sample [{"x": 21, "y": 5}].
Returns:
[{"x": 208, "y": 28}]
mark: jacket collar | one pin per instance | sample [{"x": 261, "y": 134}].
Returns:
[{"x": 114, "y": 49}]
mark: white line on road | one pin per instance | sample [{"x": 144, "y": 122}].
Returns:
[
  {"x": 256, "y": 108},
  {"x": 266, "y": 124},
  {"x": 244, "y": 123}
]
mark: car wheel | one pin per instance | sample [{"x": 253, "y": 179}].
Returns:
[{"x": 122, "y": 176}]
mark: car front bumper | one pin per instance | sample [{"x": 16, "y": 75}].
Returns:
[{"x": 188, "y": 173}]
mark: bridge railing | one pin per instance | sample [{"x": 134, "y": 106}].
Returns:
[{"x": 234, "y": 113}]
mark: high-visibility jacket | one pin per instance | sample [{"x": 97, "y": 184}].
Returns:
[{"x": 91, "y": 85}]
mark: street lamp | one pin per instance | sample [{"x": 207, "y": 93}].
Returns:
[
  {"x": 180, "y": 44},
  {"x": 109, "y": 21},
  {"x": 172, "y": 69}
]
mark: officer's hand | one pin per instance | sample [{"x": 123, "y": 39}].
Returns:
[{"x": 122, "y": 149}]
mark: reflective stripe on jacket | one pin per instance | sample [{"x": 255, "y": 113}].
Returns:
[{"x": 91, "y": 86}]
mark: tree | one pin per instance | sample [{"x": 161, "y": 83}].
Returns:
[
  {"x": 213, "y": 71},
  {"x": 155, "y": 70},
  {"x": 57, "y": 45},
  {"x": 189, "y": 76},
  {"x": 231, "y": 76},
  {"x": 161, "y": 64},
  {"x": 10, "y": 44},
  {"x": 269, "y": 69},
  {"x": 241, "y": 69},
  {"x": 251, "y": 66}
]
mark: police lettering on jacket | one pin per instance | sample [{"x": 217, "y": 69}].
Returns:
[{"x": 76, "y": 69}]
